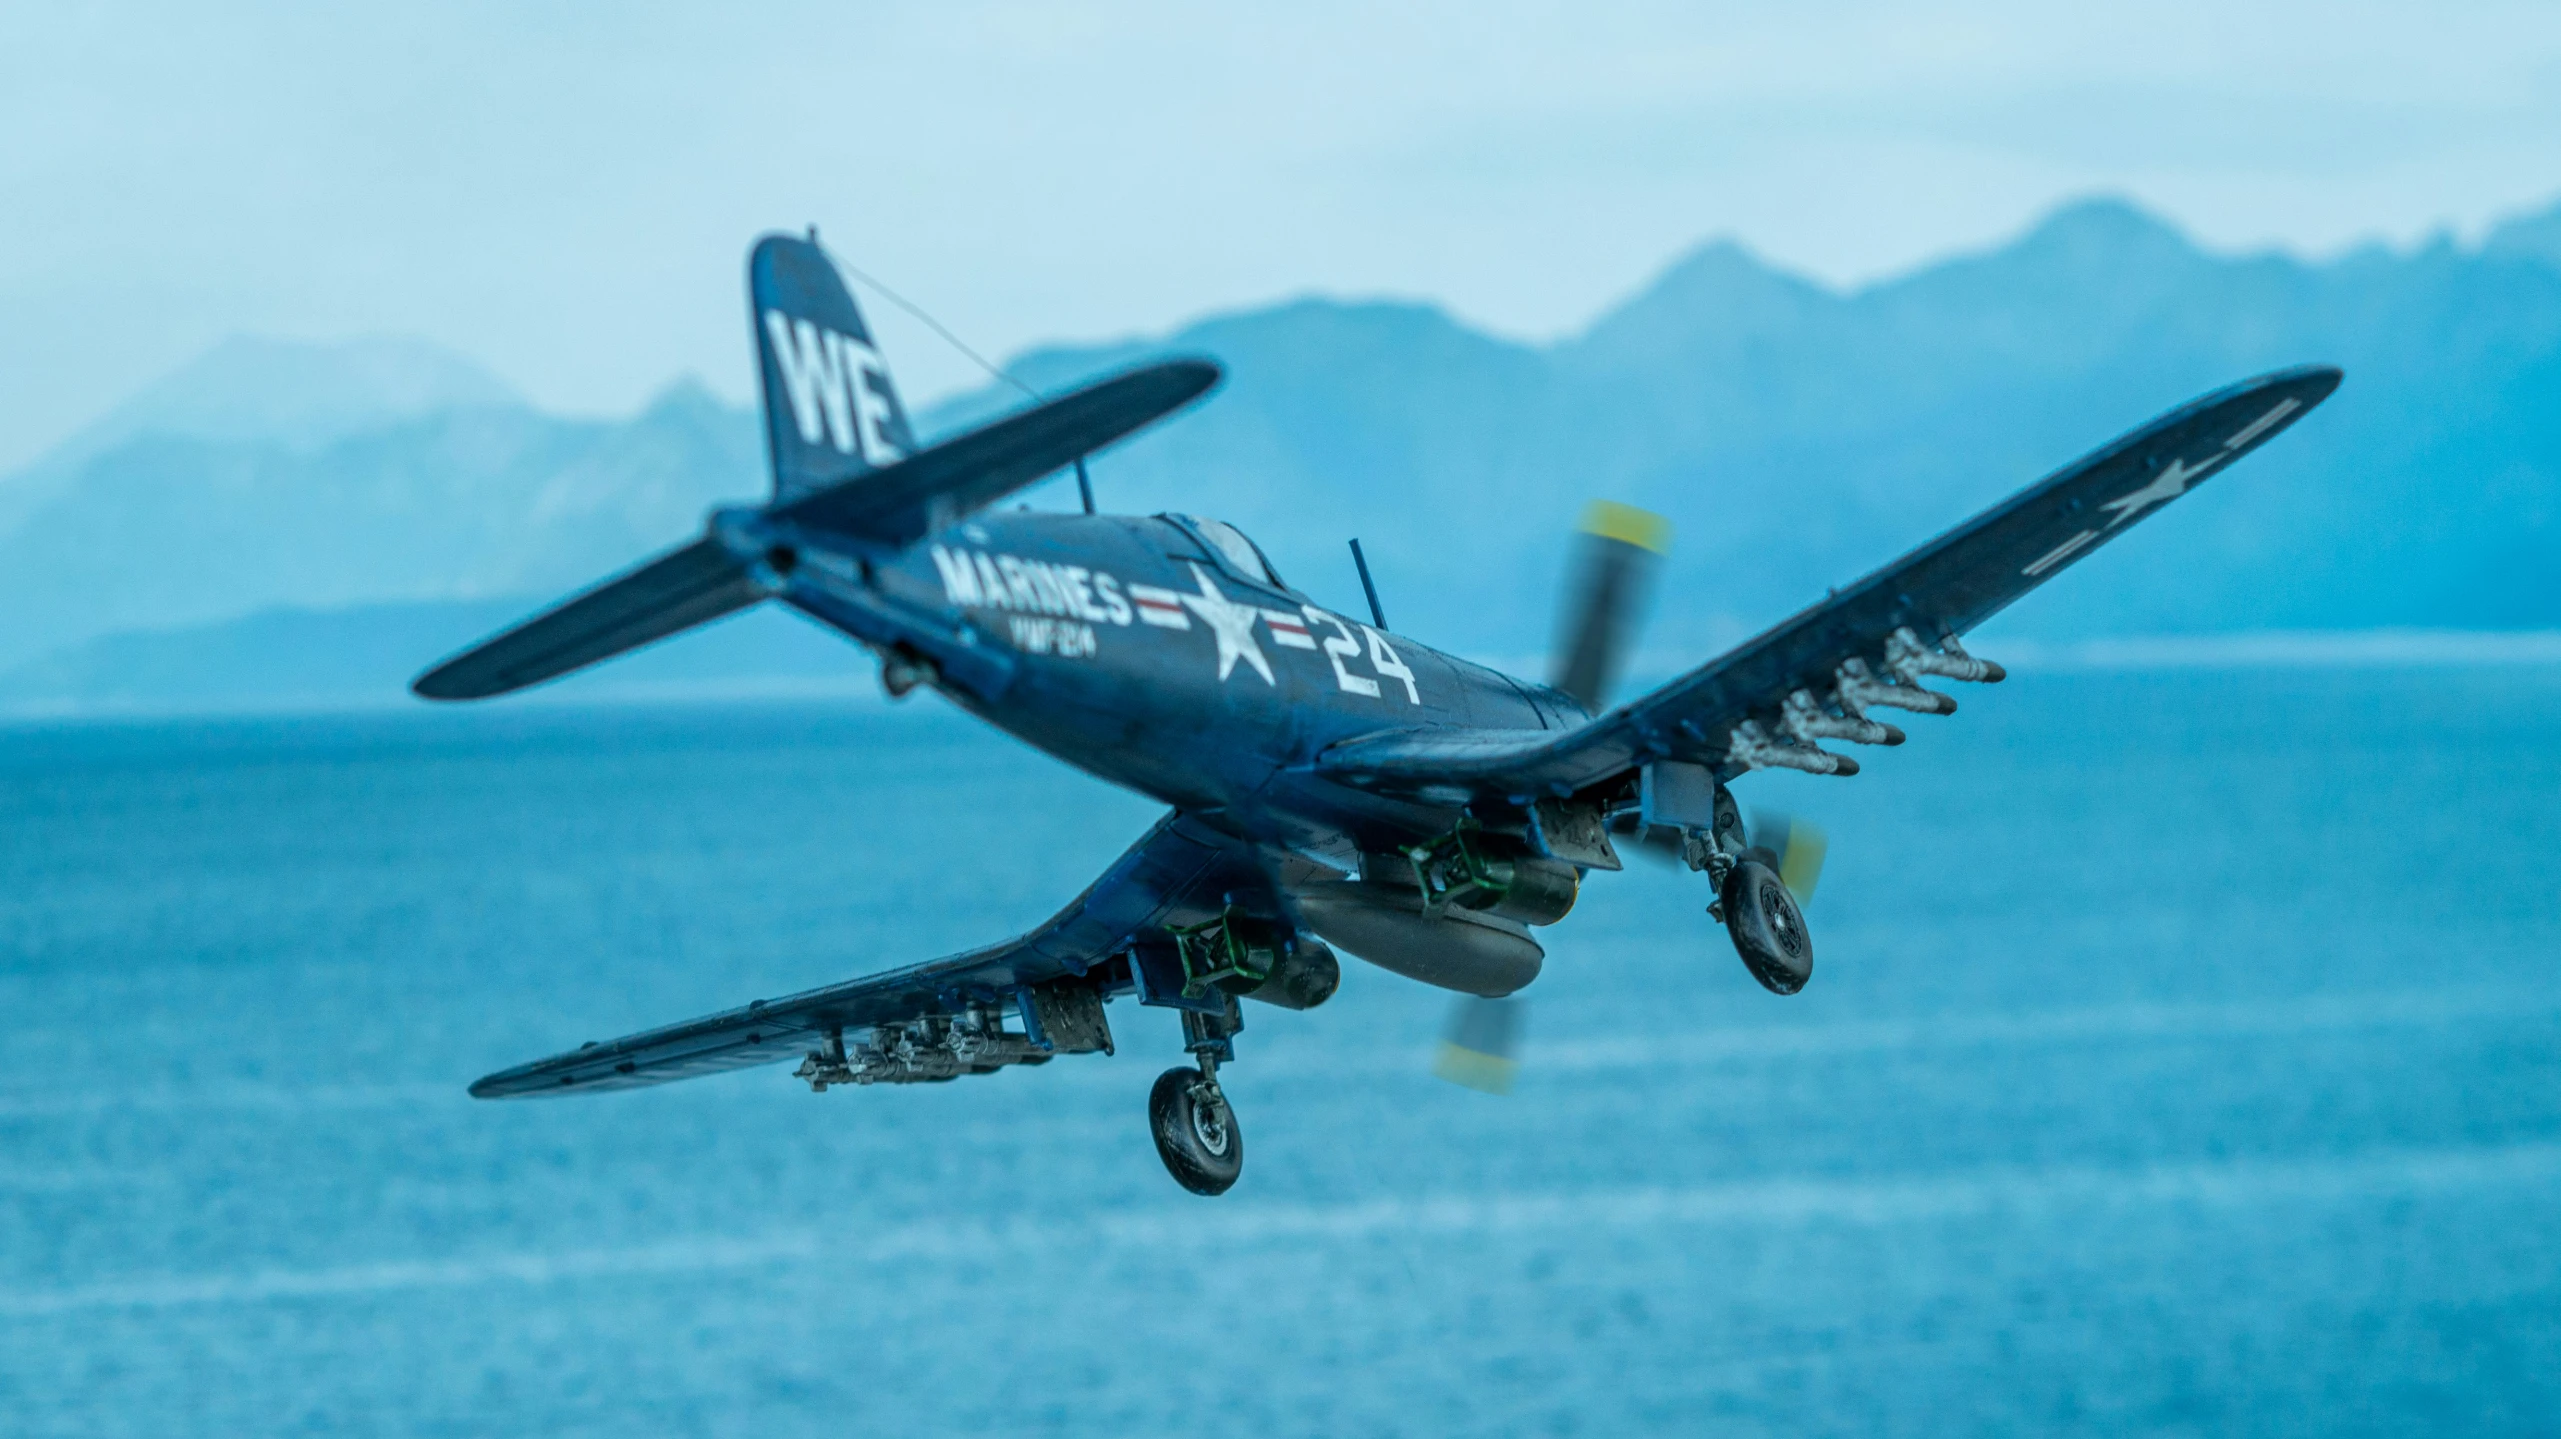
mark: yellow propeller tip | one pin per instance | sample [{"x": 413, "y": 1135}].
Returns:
[
  {"x": 1628, "y": 525},
  {"x": 1475, "y": 1069},
  {"x": 1801, "y": 866}
]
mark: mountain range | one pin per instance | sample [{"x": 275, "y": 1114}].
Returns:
[{"x": 351, "y": 503}]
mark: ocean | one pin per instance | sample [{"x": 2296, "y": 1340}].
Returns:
[{"x": 2180, "y": 1059}]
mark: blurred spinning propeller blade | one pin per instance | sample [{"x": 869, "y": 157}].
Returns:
[
  {"x": 1792, "y": 846},
  {"x": 1482, "y": 1048},
  {"x": 1617, "y": 552},
  {"x": 1614, "y": 563}
]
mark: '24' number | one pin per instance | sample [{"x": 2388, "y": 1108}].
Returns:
[{"x": 1382, "y": 657}]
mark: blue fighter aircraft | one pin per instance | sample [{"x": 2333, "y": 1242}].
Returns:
[{"x": 1331, "y": 785}]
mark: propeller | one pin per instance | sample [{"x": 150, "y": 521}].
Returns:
[
  {"x": 1617, "y": 551},
  {"x": 1481, "y": 1048},
  {"x": 1793, "y": 846}
]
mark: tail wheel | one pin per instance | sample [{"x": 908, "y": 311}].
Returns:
[
  {"x": 1767, "y": 928},
  {"x": 1195, "y": 1131}
]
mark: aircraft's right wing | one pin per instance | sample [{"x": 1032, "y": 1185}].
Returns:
[
  {"x": 1182, "y": 872},
  {"x": 1811, "y": 678}
]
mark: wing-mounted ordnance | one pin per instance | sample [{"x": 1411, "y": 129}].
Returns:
[
  {"x": 1056, "y": 1018},
  {"x": 1486, "y": 872},
  {"x": 1752, "y": 747},
  {"x": 1256, "y": 958},
  {"x": 1454, "y": 911},
  {"x": 1906, "y": 656},
  {"x": 1804, "y": 719},
  {"x": 1857, "y": 687}
]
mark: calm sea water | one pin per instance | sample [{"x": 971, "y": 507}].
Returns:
[{"x": 2181, "y": 1059}]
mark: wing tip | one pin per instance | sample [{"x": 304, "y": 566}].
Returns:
[
  {"x": 2314, "y": 382},
  {"x": 1195, "y": 375},
  {"x": 527, "y": 1082},
  {"x": 443, "y": 684}
]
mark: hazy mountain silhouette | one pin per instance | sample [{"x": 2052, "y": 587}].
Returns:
[
  {"x": 1797, "y": 435},
  {"x": 250, "y": 388},
  {"x": 464, "y": 503}
]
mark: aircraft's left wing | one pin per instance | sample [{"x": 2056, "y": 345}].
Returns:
[
  {"x": 1181, "y": 873},
  {"x": 1771, "y": 701}
]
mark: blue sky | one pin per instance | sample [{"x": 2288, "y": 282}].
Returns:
[{"x": 566, "y": 192}]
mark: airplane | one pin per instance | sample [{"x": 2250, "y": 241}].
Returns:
[{"x": 1331, "y": 784}]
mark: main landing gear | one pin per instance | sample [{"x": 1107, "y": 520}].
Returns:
[
  {"x": 1753, "y": 901},
  {"x": 1767, "y": 928},
  {"x": 1188, "y": 1114}
]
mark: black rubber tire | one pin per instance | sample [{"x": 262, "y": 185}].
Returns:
[
  {"x": 1767, "y": 928},
  {"x": 1202, "y": 1148}
]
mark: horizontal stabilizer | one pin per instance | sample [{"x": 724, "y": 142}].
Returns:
[
  {"x": 685, "y": 587},
  {"x": 911, "y": 498}
]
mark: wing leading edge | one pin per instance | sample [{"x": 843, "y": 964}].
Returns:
[
  {"x": 1766, "y": 701},
  {"x": 1180, "y": 873}
]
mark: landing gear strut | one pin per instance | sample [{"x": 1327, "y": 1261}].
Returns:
[
  {"x": 1759, "y": 913},
  {"x": 1188, "y": 1114}
]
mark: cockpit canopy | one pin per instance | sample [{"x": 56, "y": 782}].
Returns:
[{"x": 1239, "y": 552}]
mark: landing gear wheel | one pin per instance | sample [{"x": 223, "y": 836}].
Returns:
[
  {"x": 1767, "y": 928},
  {"x": 1195, "y": 1131}
]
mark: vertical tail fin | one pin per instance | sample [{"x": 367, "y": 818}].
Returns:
[{"x": 831, "y": 412}]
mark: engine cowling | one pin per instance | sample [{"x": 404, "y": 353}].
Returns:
[{"x": 1468, "y": 950}]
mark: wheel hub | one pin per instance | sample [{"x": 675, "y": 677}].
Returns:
[
  {"x": 1783, "y": 925},
  {"x": 1209, "y": 1120}
]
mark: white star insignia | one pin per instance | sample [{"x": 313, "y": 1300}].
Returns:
[
  {"x": 1232, "y": 623},
  {"x": 2169, "y": 485}
]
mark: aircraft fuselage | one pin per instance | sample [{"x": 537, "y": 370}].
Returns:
[{"x": 1143, "y": 651}]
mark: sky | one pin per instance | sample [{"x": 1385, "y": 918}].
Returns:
[{"x": 565, "y": 192}]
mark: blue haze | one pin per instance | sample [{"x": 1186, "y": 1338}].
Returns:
[
  {"x": 1797, "y": 435},
  {"x": 2181, "y": 1059}
]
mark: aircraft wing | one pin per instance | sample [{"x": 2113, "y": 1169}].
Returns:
[
  {"x": 1733, "y": 712},
  {"x": 1180, "y": 873}
]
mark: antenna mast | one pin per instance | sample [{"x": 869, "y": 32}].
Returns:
[{"x": 1361, "y": 562}]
